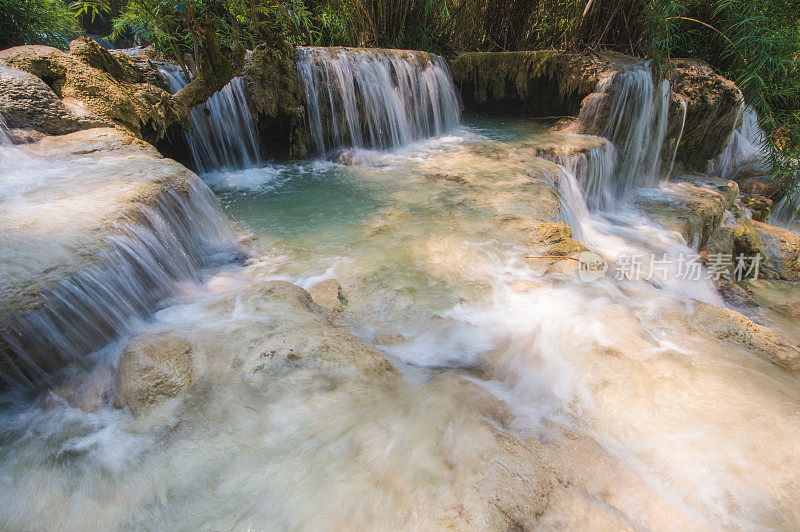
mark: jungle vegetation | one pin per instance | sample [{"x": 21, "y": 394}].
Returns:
[{"x": 754, "y": 42}]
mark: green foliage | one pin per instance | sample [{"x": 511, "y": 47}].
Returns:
[
  {"x": 36, "y": 22},
  {"x": 756, "y": 43}
]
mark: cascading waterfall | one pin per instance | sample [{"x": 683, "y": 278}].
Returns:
[
  {"x": 745, "y": 152},
  {"x": 592, "y": 169},
  {"x": 684, "y": 111},
  {"x": 631, "y": 112},
  {"x": 223, "y": 134},
  {"x": 637, "y": 124},
  {"x": 375, "y": 99},
  {"x": 176, "y": 238}
]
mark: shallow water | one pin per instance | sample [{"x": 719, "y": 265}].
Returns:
[{"x": 429, "y": 244}]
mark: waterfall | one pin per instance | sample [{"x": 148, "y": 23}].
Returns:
[
  {"x": 684, "y": 112},
  {"x": 223, "y": 133},
  {"x": 592, "y": 170},
  {"x": 745, "y": 152},
  {"x": 632, "y": 112},
  {"x": 637, "y": 124},
  {"x": 175, "y": 238},
  {"x": 375, "y": 99}
]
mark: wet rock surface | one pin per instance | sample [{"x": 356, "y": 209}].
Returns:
[
  {"x": 693, "y": 206},
  {"x": 152, "y": 369}
]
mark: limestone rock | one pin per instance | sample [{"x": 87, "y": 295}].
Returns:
[
  {"x": 97, "y": 86},
  {"x": 537, "y": 83},
  {"x": 693, "y": 206},
  {"x": 781, "y": 250},
  {"x": 759, "y": 205},
  {"x": 328, "y": 294},
  {"x": 735, "y": 239},
  {"x": 26, "y": 102},
  {"x": 712, "y": 110},
  {"x": 728, "y": 325},
  {"x": 151, "y": 369}
]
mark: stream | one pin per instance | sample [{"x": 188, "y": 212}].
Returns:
[{"x": 654, "y": 420}]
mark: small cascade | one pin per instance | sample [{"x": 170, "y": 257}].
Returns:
[
  {"x": 684, "y": 112},
  {"x": 182, "y": 233},
  {"x": 223, "y": 134},
  {"x": 375, "y": 98},
  {"x": 637, "y": 124},
  {"x": 5, "y": 140},
  {"x": 633, "y": 113},
  {"x": 745, "y": 152},
  {"x": 592, "y": 169}
]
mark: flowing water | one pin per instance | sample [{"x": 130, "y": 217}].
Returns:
[
  {"x": 375, "y": 98},
  {"x": 429, "y": 242},
  {"x": 223, "y": 134}
]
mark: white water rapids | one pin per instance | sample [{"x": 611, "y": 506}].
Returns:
[{"x": 645, "y": 418}]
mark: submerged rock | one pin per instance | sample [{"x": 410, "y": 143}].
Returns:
[
  {"x": 151, "y": 369},
  {"x": 328, "y": 294}
]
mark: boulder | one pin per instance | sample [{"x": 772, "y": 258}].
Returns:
[
  {"x": 98, "y": 86},
  {"x": 713, "y": 106},
  {"x": 27, "y": 103},
  {"x": 735, "y": 239},
  {"x": 153, "y": 368},
  {"x": 328, "y": 295},
  {"x": 781, "y": 250}
]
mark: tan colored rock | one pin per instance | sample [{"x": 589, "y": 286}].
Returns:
[
  {"x": 328, "y": 294},
  {"x": 693, "y": 206},
  {"x": 89, "y": 394},
  {"x": 781, "y": 250},
  {"x": 736, "y": 240},
  {"x": 151, "y": 369},
  {"x": 26, "y": 102},
  {"x": 730, "y": 326},
  {"x": 97, "y": 86}
]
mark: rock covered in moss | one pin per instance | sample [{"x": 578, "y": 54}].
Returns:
[
  {"x": 781, "y": 250},
  {"x": 27, "y": 103},
  {"x": 96, "y": 85},
  {"x": 537, "y": 83},
  {"x": 275, "y": 100}
]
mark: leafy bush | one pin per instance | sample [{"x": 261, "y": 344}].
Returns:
[{"x": 48, "y": 22}]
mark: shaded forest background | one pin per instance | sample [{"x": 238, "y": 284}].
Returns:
[{"x": 754, "y": 42}]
